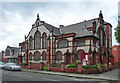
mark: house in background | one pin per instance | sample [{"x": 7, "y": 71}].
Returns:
[
  {"x": 10, "y": 54},
  {"x": 89, "y": 41},
  {"x": 116, "y": 53}
]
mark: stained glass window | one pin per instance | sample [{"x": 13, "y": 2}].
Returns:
[
  {"x": 44, "y": 56},
  {"x": 44, "y": 40},
  {"x": 59, "y": 56},
  {"x": 30, "y": 56},
  {"x": 37, "y": 56},
  {"x": 30, "y": 43},
  {"x": 37, "y": 40}
]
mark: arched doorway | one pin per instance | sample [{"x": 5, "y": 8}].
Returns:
[
  {"x": 68, "y": 57},
  {"x": 80, "y": 55}
]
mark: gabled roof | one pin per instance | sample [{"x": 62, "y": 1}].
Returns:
[
  {"x": 50, "y": 27},
  {"x": 16, "y": 50}
]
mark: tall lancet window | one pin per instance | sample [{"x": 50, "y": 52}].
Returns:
[
  {"x": 101, "y": 38},
  {"x": 37, "y": 40},
  {"x": 30, "y": 43},
  {"x": 44, "y": 41}
]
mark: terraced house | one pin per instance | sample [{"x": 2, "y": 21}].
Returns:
[{"x": 89, "y": 41}]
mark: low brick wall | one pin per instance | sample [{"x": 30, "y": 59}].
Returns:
[
  {"x": 90, "y": 71},
  {"x": 35, "y": 66},
  {"x": 24, "y": 67},
  {"x": 104, "y": 69},
  {"x": 70, "y": 70},
  {"x": 56, "y": 69}
]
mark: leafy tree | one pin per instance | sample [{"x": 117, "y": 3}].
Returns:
[{"x": 117, "y": 31}]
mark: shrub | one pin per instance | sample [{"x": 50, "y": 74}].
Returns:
[
  {"x": 95, "y": 67},
  {"x": 72, "y": 65},
  {"x": 102, "y": 65},
  {"x": 45, "y": 68},
  {"x": 24, "y": 64},
  {"x": 86, "y": 67},
  {"x": 55, "y": 65}
]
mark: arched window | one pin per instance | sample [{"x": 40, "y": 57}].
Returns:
[
  {"x": 44, "y": 40},
  {"x": 37, "y": 56},
  {"x": 63, "y": 44},
  {"x": 23, "y": 48},
  {"x": 59, "y": 56},
  {"x": 24, "y": 57},
  {"x": 37, "y": 40},
  {"x": 101, "y": 37},
  {"x": 7, "y": 52},
  {"x": 30, "y": 43},
  {"x": 44, "y": 56},
  {"x": 30, "y": 56},
  {"x": 79, "y": 54}
]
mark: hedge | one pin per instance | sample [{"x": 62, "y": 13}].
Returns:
[
  {"x": 45, "y": 68},
  {"x": 86, "y": 67},
  {"x": 95, "y": 67},
  {"x": 72, "y": 65},
  {"x": 55, "y": 65}
]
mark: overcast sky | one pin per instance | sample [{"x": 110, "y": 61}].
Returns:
[{"x": 18, "y": 17}]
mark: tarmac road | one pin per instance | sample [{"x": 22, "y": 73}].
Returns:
[{"x": 8, "y": 76}]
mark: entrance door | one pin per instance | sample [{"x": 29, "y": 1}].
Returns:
[{"x": 68, "y": 57}]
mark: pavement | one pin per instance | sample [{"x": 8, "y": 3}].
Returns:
[{"x": 109, "y": 76}]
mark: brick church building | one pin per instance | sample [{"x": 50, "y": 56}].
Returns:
[{"x": 89, "y": 41}]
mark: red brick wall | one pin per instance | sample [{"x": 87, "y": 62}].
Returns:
[
  {"x": 35, "y": 66},
  {"x": 116, "y": 53}
]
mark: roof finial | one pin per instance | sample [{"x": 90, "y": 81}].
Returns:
[
  {"x": 100, "y": 14},
  {"x": 37, "y": 15}
]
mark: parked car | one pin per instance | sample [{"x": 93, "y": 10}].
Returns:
[
  {"x": 2, "y": 65},
  {"x": 12, "y": 67}
]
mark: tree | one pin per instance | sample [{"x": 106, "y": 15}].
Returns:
[{"x": 117, "y": 31}]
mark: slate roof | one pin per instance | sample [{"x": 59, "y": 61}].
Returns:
[
  {"x": 80, "y": 28},
  {"x": 55, "y": 30}
]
